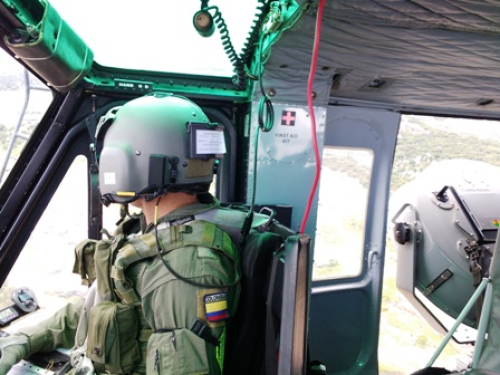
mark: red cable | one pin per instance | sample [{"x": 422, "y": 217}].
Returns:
[{"x": 310, "y": 82}]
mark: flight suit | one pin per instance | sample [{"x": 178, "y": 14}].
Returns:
[{"x": 181, "y": 310}]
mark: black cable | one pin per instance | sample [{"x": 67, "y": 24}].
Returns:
[
  {"x": 240, "y": 61},
  {"x": 240, "y": 79},
  {"x": 266, "y": 109},
  {"x": 266, "y": 121},
  {"x": 253, "y": 37}
]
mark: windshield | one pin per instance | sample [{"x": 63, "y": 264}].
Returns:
[{"x": 157, "y": 35}]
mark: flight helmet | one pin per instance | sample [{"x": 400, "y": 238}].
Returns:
[{"x": 155, "y": 144}]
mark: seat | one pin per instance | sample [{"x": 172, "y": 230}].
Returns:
[
  {"x": 245, "y": 342},
  {"x": 272, "y": 312}
]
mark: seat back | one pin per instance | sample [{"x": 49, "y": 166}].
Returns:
[
  {"x": 268, "y": 334},
  {"x": 245, "y": 335},
  {"x": 274, "y": 298}
]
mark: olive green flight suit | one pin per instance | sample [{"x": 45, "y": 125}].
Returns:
[{"x": 204, "y": 287}]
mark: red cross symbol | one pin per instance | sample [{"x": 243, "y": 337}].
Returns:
[{"x": 288, "y": 118}]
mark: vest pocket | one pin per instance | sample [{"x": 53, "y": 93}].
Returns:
[
  {"x": 178, "y": 352},
  {"x": 112, "y": 337}
]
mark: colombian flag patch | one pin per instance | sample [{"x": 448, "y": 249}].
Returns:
[{"x": 216, "y": 307}]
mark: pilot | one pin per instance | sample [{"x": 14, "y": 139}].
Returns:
[{"x": 166, "y": 282}]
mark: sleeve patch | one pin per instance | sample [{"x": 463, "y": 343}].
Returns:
[
  {"x": 213, "y": 306},
  {"x": 216, "y": 307}
]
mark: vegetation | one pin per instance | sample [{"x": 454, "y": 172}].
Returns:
[
  {"x": 11, "y": 80},
  {"x": 421, "y": 141},
  {"x": 347, "y": 164}
]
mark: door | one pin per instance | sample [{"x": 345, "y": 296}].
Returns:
[{"x": 349, "y": 247}]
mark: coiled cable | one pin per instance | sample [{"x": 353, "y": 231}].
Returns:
[
  {"x": 253, "y": 37},
  {"x": 224, "y": 34},
  {"x": 239, "y": 80},
  {"x": 239, "y": 62}
]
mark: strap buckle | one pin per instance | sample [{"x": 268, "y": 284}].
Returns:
[{"x": 200, "y": 328}]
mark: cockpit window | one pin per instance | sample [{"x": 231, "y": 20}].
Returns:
[
  {"x": 343, "y": 198},
  {"x": 134, "y": 37},
  {"x": 46, "y": 263},
  {"x": 24, "y": 100}
]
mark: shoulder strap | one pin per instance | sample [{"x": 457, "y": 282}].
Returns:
[
  {"x": 103, "y": 257},
  {"x": 194, "y": 233},
  {"x": 232, "y": 221}
]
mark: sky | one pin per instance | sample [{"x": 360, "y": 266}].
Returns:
[{"x": 156, "y": 37}]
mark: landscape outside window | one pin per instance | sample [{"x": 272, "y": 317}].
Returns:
[
  {"x": 45, "y": 264},
  {"x": 343, "y": 198}
]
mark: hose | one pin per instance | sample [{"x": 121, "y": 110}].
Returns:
[{"x": 310, "y": 83}]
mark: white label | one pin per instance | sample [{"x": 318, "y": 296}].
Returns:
[
  {"x": 210, "y": 142},
  {"x": 109, "y": 178}
]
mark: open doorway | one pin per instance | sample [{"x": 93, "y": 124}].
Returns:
[{"x": 431, "y": 152}]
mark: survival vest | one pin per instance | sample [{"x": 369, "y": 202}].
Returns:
[
  {"x": 217, "y": 228},
  {"x": 117, "y": 330}
]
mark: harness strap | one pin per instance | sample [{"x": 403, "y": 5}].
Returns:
[
  {"x": 103, "y": 258},
  {"x": 232, "y": 221},
  {"x": 200, "y": 328},
  {"x": 195, "y": 233}
]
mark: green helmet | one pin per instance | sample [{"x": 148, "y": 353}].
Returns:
[{"x": 154, "y": 144}]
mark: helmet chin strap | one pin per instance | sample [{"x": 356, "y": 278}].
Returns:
[
  {"x": 155, "y": 219},
  {"x": 129, "y": 197}
]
